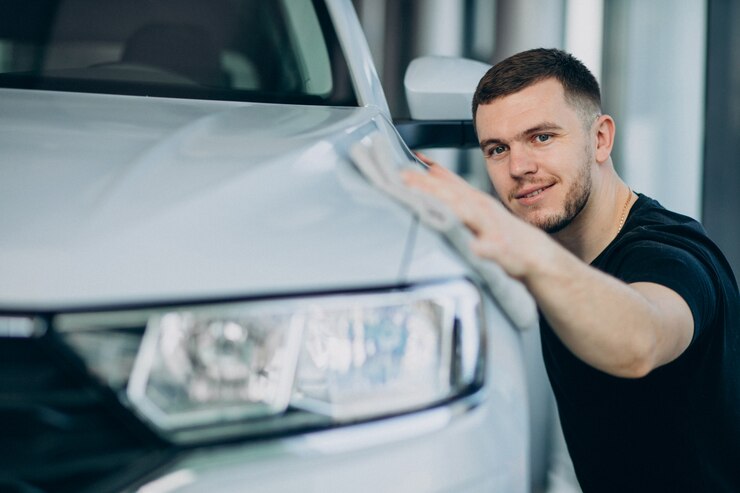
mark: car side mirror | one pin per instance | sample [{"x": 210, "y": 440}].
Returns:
[{"x": 439, "y": 92}]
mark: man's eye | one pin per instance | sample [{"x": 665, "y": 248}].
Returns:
[
  {"x": 496, "y": 150},
  {"x": 543, "y": 137}
]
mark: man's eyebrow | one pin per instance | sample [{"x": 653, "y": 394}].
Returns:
[{"x": 539, "y": 128}]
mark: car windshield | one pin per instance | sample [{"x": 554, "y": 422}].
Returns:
[{"x": 281, "y": 51}]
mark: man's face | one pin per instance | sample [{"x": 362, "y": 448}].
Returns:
[{"x": 538, "y": 154}]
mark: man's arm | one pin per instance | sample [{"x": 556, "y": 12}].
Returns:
[{"x": 626, "y": 330}]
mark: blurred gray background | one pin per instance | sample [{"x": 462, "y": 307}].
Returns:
[{"x": 669, "y": 71}]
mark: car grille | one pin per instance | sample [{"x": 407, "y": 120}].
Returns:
[{"x": 62, "y": 432}]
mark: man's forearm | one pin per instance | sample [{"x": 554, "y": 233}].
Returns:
[{"x": 610, "y": 325}]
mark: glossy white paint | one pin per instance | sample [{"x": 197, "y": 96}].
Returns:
[
  {"x": 116, "y": 200},
  {"x": 364, "y": 75}
]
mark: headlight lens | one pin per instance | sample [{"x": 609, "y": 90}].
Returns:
[
  {"x": 278, "y": 364},
  {"x": 363, "y": 360},
  {"x": 202, "y": 366}
]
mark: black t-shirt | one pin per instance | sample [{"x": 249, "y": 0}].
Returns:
[{"x": 678, "y": 428}]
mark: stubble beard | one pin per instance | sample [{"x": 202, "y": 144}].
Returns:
[{"x": 575, "y": 200}]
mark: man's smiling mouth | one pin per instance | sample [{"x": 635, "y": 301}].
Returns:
[
  {"x": 536, "y": 192},
  {"x": 529, "y": 193}
]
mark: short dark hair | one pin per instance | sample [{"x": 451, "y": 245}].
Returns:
[{"x": 529, "y": 67}]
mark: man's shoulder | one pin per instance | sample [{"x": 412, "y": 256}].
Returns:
[
  {"x": 665, "y": 247},
  {"x": 651, "y": 224},
  {"x": 648, "y": 212},
  {"x": 659, "y": 245}
]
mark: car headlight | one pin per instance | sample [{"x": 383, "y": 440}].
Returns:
[{"x": 253, "y": 367}]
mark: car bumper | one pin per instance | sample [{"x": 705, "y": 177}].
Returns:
[
  {"x": 477, "y": 444},
  {"x": 444, "y": 449}
]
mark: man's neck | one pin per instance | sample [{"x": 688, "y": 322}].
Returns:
[{"x": 599, "y": 222}]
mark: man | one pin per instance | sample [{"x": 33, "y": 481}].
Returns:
[{"x": 639, "y": 309}]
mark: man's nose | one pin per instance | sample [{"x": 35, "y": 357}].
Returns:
[{"x": 521, "y": 162}]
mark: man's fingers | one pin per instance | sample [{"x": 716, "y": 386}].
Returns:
[
  {"x": 425, "y": 159},
  {"x": 419, "y": 180},
  {"x": 438, "y": 182},
  {"x": 470, "y": 205},
  {"x": 432, "y": 185},
  {"x": 437, "y": 169},
  {"x": 445, "y": 174},
  {"x": 435, "y": 177}
]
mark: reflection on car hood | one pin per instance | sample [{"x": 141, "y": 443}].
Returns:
[{"x": 117, "y": 200}]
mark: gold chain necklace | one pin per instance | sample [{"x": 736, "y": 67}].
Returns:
[{"x": 624, "y": 210}]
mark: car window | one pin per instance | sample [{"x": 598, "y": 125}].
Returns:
[{"x": 251, "y": 50}]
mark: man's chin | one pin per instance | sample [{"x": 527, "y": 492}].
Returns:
[
  {"x": 550, "y": 224},
  {"x": 556, "y": 227}
]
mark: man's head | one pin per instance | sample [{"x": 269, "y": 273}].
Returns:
[
  {"x": 537, "y": 115},
  {"x": 529, "y": 67}
]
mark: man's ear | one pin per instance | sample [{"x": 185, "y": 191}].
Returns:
[{"x": 605, "y": 130}]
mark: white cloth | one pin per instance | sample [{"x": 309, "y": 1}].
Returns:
[{"x": 374, "y": 160}]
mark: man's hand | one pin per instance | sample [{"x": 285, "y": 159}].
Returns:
[{"x": 499, "y": 235}]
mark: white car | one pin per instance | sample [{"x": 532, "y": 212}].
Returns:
[{"x": 200, "y": 291}]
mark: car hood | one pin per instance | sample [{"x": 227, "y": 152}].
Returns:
[{"x": 111, "y": 200}]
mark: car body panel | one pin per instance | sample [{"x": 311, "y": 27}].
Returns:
[
  {"x": 362, "y": 69},
  {"x": 116, "y": 199}
]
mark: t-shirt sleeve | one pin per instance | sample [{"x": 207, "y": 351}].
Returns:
[{"x": 676, "y": 269}]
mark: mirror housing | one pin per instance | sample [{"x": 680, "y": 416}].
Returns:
[
  {"x": 439, "y": 91},
  {"x": 441, "y": 88}
]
